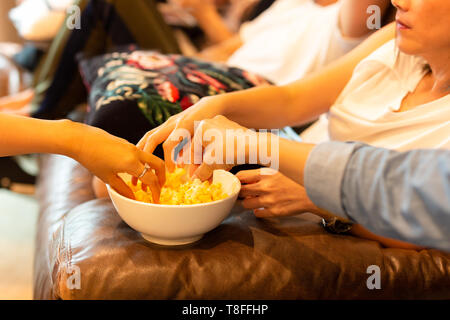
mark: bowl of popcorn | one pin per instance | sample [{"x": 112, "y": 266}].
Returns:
[{"x": 187, "y": 209}]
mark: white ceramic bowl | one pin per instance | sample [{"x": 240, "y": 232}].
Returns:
[{"x": 177, "y": 224}]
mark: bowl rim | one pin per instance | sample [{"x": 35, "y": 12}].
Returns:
[{"x": 110, "y": 189}]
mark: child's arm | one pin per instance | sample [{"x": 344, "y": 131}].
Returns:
[{"x": 103, "y": 154}]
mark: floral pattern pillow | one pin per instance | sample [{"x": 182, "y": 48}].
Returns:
[{"x": 161, "y": 85}]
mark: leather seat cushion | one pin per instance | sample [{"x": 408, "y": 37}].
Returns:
[{"x": 244, "y": 258}]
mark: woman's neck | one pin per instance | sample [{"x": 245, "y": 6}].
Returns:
[{"x": 440, "y": 71}]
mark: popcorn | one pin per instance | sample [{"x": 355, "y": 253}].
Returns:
[{"x": 178, "y": 190}]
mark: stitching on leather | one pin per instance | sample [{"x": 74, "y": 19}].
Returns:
[
  {"x": 67, "y": 255},
  {"x": 69, "y": 262},
  {"x": 61, "y": 263},
  {"x": 64, "y": 259}
]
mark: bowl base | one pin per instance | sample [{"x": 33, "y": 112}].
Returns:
[{"x": 171, "y": 242}]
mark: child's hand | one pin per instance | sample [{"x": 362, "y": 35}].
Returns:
[{"x": 106, "y": 155}]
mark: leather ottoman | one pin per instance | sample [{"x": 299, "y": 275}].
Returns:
[{"x": 85, "y": 251}]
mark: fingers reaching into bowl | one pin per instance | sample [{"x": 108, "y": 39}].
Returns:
[
  {"x": 106, "y": 156},
  {"x": 143, "y": 166},
  {"x": 166, "y": 134},
  {"x": 207, "y": 132},
  {"x": 152, "y": 174},
  {"x": 172, "y": 132},
  {"x": 214, "y": 136}
]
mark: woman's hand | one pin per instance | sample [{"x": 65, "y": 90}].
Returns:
[
  {"x": 106, "y": 155},
  {"x": 273, "y": 195},
  {"x": 219, "y": 143},
  {"x": 170, "y": 132}
]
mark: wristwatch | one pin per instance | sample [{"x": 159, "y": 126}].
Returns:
[{"x": 336, "y": 225}]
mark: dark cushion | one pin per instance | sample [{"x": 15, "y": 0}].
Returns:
[
  {"x": 159, "y": 85},
  {"x": 244, "y": 258}
]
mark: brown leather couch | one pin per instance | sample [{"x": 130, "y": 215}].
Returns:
[{"x": 244, "y": 258}]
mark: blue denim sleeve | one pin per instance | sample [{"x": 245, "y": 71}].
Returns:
[{"x": 405, "y": 195}]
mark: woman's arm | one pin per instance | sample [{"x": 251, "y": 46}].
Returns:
[
  {"x": 268, "y": 106},
  {"x": 222, "y": 51},
  {"x": 103, "y": 154}
]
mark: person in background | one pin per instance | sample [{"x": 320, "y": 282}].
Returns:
[
  {"x": 57, "y": 88},
  {"x": 294, "y": 38},
  {"x": 218, "y": 19}
]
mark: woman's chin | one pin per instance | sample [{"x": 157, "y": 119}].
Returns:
[{"x": 406, "y": 46}]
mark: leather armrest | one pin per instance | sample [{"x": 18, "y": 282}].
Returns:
[{"x": 244, "y": 258}]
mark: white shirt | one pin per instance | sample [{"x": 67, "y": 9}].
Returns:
[
  {"x": 291, "y": 39},
  {"x": 366, "y": 109}
]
